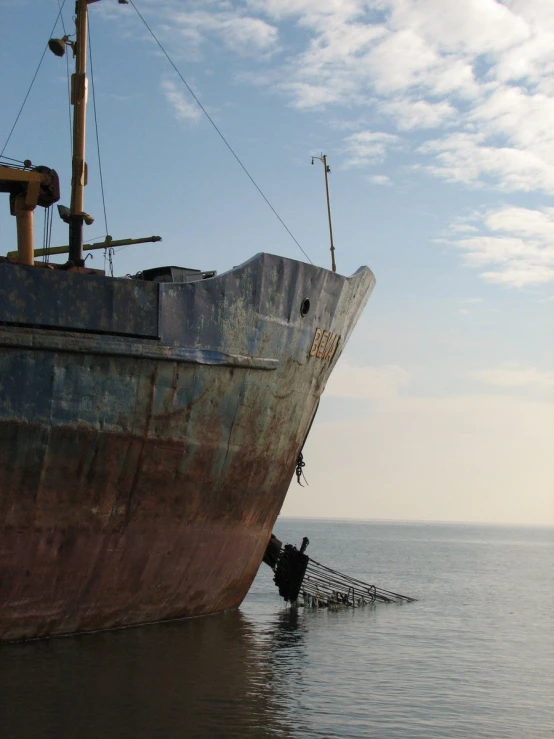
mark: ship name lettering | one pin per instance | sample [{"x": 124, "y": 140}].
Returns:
[{"x": 324, "y": 344}]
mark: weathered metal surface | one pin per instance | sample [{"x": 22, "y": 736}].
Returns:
[
  {"x": 26, "y": 338},
  {"x": 134, "y": 489},
  {"x": 55, "y": 298}
]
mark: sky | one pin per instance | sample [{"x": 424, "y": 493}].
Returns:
[{"x": 437, "y": 117}]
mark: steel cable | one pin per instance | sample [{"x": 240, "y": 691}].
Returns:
[
  {"x": 32, "y": 81},
  {"x": 222, "y": 137}
]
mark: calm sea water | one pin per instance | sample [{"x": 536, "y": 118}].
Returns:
[{"x": 474, "y": 657}]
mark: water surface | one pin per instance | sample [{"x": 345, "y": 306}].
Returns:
[{"x": 474, "y": 657}]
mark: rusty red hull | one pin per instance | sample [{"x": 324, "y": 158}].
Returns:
[{"x": 148, "y": 438}]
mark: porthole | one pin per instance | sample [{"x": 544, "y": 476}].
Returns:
[{"x": 305, "y": 307}]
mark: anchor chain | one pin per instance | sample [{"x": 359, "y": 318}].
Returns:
[{"x": 300, "y": 464}]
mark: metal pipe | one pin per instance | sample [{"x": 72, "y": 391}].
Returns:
[
  {"x": 327, "y": 170},
  {"x": 89, "y": 247},
  {"x": 24, "y": 220},
  {"x": 78, "y": 166}
]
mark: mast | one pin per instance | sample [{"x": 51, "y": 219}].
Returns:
[
  {"x": 78, "y": 165},
  {"x": 327, "y": 170}
]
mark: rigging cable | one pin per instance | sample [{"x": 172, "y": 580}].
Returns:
[
  {"x": 109, "y": 251},
  {"x": 32, "y": 81},
  {"x": 222, "y": 137},
  {"x": 68, "y": 87},
  {"x": 47, "y": 233},
  {"x": 10, "y": 159}
]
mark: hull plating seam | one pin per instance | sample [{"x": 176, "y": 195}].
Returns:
[{"x": 134, "y": 349}]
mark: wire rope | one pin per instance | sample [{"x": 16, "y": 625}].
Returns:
[
  {"x": 47, "y": 233},
  {"x": 10, "y": 159},
  {"x": 68, "y": 86},
  {"x": 96, "y": 132},
  {"x": 220, "y": 134},
  {"x": 32, "y": 81},
  {"x": 109, "y": 251}
]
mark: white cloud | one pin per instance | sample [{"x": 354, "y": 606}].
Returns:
[
  {"x": 461, "y": 226},
  {"x": 465, "y": 157},
  {"x": 409, "y": 113},
  {"x": 312, "y": 12},
  {"x": 513, "y": 246},
  {"x": 432, "y": 63},
  {"x": 306, "y": 95},
  {"x": 520, "y": 275},
  {"x": 380, "y": 179},
  {"x": 517, "y": 376},
  {"x": 183, "y": 108},
  {"x": 481, "y": 69},
  {"x": 472, "y": 27},
  {"x": 239, "y": 32},
  {"x": 368, "y": 382},
  {"x": 527, "y": 223},
  {"x": 368, "y": 147}
]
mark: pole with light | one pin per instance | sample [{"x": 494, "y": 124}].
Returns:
[{"x": 327, "y": 170}]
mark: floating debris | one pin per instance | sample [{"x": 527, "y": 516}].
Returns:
[{"x": 299, "y": 577}]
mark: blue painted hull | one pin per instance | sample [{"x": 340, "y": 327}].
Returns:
[{"x": 149, "y": 433}]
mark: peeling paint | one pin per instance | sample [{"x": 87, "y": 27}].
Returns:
[{"x": 138, "y": 480}]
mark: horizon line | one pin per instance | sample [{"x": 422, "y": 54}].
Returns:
[{"x": 417, "y": 521}]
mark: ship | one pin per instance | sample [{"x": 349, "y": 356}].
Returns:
[{"x": 150, "y": 426}]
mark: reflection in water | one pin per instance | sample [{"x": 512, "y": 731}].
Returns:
[
  {"x": 285, "y": 636},
  {"x": 287, "y": 630},
  {"x": 462, "y": 662},
  {"x": 201, "y": 677}
]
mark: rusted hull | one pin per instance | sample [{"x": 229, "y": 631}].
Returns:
[{"x": 145, "y": 458}]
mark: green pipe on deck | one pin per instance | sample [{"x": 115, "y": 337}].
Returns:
[{"x": 89, "y": 247}]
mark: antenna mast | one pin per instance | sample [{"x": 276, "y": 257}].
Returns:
[
  {"x": 77, "y": 215},
  {"x": 327, "y": 170},
  {"x": 78, "y": 165}
]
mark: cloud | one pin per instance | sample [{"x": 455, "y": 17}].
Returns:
[
  {"x": 482, "y": 71},
  {"x": 306, "y": 95},
  {"x": 517, "y": 376},
  {"x": 483, "y": 68},
  {"x": 380, "y": 179},
  {"x": 233, "y": 27},
  {"x": 366, "y": 382},
  {"x": 368, "y": 147},
  {"x": 183, "y": 109},
  {"x": 409, "y": 113},
  {"x": 472, "y": 27},
  {"x": 520, "y": 275},
  {"x": 513, "y": 246},
  {"x": 467, "y": 158}
]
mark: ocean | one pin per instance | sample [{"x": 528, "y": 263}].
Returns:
[{"x": 473, "y": 657}]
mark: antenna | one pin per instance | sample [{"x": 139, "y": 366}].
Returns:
[
  {"x": 327, "y": 170},
  {"x": 77, "y": 216}
]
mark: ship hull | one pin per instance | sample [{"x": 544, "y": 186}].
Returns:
[{"x": 148, "y": 435}]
